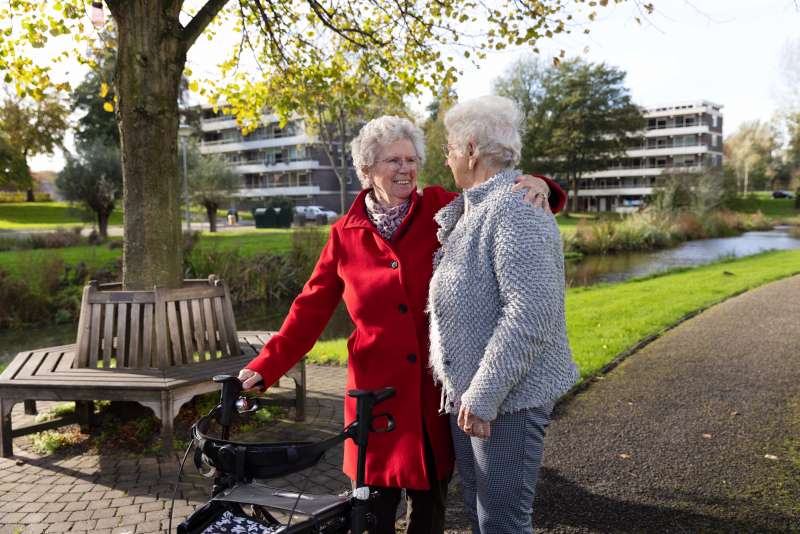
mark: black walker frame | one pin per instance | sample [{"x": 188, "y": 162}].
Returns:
[{"x": 235, "y": 465}]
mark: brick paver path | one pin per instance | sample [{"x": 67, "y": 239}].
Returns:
[{"x": 111, "y": 494}]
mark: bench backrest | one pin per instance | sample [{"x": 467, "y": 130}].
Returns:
[{"x": 156, "y": 329}]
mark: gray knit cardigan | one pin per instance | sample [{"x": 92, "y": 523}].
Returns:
[{"x": 496, "y": 303}]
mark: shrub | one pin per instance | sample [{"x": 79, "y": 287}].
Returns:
[
  {"x": 50, "y": 441},
  {"x": 266, "y": 277},
  {"x": 59, "y": 239}
]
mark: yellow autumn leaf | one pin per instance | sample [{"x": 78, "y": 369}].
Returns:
[
  {"x": 103, "y": 89},
  {"x": 108, "y": 106},
  {"x": 193, "y": 86}
]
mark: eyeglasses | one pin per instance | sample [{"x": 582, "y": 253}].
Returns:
[
  {"x": 446, "y": 148},
  {"x": 397, "y": 162}
]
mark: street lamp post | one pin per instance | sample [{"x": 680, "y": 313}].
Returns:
[{"x": 184, "y": 131}]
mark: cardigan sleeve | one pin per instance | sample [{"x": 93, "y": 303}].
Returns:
[
  {"x": 530, "y": 282},
  {"x": 306, "y": 320}
]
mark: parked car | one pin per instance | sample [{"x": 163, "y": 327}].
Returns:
[{"x": 315, "y": 213}]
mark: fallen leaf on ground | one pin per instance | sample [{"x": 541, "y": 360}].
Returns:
[
  {"x": 624, "y": 456},
  {"x": 707, "y": 436},
  {"x": 770, "y": 457}
]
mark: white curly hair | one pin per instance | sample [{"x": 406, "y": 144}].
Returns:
[
  {"x": 491, "y": 123},
  {"x": 377, "y": 133}
]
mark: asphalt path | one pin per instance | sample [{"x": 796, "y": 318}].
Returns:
[{"x": 697, "y": 432}]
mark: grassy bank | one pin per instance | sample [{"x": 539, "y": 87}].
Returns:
[
  {"x": 779, "y": 210},
  {"x": 38, "y": 215},
  {"x": 604, "y": 321}
]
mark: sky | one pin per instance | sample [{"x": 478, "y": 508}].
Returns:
[
  {"x": 728, "y": 52},
  {"x": 725, "y": 51}
]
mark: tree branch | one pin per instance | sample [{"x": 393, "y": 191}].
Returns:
[{"x": 201, "y": 20}]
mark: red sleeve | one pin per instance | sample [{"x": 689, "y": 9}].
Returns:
[
  {"x": 443, "y": 196},
  {"x": 306, "y": 319},
  {"x": 557, "y": 200},
  {"x": 558, "y": 197}
]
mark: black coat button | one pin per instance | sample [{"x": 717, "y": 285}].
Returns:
[
  {"x": 403, "y": 308},
  {"x": 411, "y": 357},
  {"x": 394, "y": 264},
  {"x": 447, "y": 362}
]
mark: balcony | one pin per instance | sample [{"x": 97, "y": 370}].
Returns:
[
  {"x": 642, "y": 171},
  {"x": 277, "y": 191},
  {"x": 226, "y": 145},
  {"x": 611, "y": 191},
  {"x": 224, "y": 122},
  {"x": 260, "y": 166},
  {"x": 679, "y": 150},
  {"x": 677, "y": 130}
]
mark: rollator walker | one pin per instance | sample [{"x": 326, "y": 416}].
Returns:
[{"x": 239, "y": 504}]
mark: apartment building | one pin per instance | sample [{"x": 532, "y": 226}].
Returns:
[
  {"x": 274, "y": 161},
  {"x": 679, "y": 138}
]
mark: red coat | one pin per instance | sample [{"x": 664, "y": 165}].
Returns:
[{"x": 384, "y": 285}]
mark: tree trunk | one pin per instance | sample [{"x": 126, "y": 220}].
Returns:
[
  {"x": 102, "y": 224},
  {"x": 150, "y": 60},
  {"x": 211, "y": 212},
  {"x": 342, "y": 193},
  {"x": 575, "y": 194},
  {"x": 29, "y": 196}
]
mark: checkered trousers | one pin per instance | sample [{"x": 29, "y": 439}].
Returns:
[{"x": 499, "y": 474}]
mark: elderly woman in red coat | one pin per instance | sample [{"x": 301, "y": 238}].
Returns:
[{"x": 379, "y": 259}]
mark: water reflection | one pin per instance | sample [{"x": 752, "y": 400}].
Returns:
[{"x": 619, "y": 267}]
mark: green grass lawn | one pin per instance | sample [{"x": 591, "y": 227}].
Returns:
[
  {"x": 780, "y": 209},
  {"x": 30, "y": 215},
  {"x": 248, "y": 242},
  {"x": 18, "y": 263},
  {"x": 605, "y": 321}
]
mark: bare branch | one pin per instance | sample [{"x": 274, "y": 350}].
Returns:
[{"x": 201, "y": 20}]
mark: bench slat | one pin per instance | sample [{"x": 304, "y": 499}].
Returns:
[
  {"x": 201, "y": 291},
  {"x": 108, "y": 336},
  {"x": 135, "y": 348},
  {"x": 16, "y": 364},
  {"x": 50, "y": 362},
  {"x": 162, "y": 355},
  {"x": 200, "y": 340},
  {"x": 66, "y": 359},
  {"x": 148, "y": 360},
  {"x": 211, "y": 330},
  {"x": 178, "y": 354},
  {"x": 186, "y": 329},
  {"x": 130, "y": 297},
  {"x": 122, "y": 335},
  {"x": 32, "y": 363},
  {"x": 223, "y": 328},
  {"x": 84, "y": 325},
  {"x": 94, "y": 344}
]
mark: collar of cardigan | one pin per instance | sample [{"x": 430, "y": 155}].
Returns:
[{"x": 448, "y": 216}]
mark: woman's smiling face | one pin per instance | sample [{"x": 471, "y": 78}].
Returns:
[{"x": 394, "y": 174}]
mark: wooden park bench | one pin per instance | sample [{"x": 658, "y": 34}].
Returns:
[{"x": 158, "y": 348}]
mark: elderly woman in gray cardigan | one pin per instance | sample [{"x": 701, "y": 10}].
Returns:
[{"x": 498, "y": 334}]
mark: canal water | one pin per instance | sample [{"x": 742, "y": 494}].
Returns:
[
  {"x": 588, "y": 271},
  {"x": 619, "y": 267}
]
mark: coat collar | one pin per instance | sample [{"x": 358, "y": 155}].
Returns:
[
  {"x": 357, "y": 215},
  {"x": 448, "y": 216}
]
